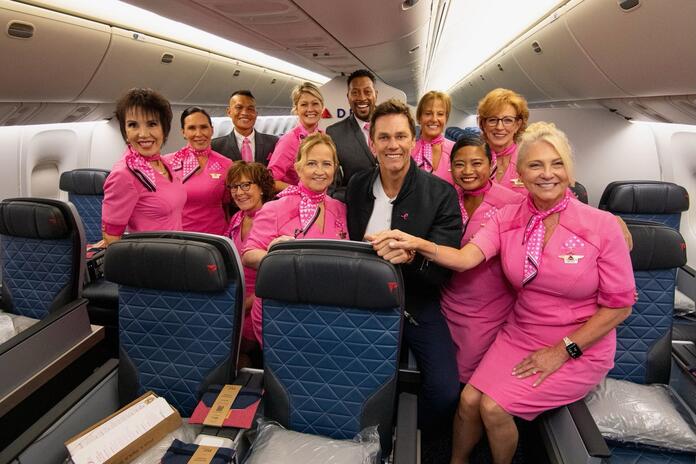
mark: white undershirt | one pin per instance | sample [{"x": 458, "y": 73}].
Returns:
[
  {"x": 240, "y": 141},
  {"x": 382, "y": 211}
]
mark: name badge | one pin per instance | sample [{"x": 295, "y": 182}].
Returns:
[
  {"x": 215, "y": 175},
  {"x": 517, "y": 182},
  {"x": 571, "y": 259}
]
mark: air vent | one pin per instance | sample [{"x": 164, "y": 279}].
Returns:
[
  {"x": 500, "y": 67},
  {"x": 629, "y": 5},
  {"x": 536, "y": 47},
  {"x": 20, "y": 30},
  {"x": 414, "y": 49},
  {"x": 273, "y": 81},
  {"x": 236, "y": 73},
  {"x": 167, "y": 58},
  {"x": 482, "y": 78}
]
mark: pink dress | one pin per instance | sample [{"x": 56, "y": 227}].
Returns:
[
  {"x": 477, "y": 302},
  {"x": 443, "y": 167},
  {"x": 511, "y": 179},
  {"x": 206, "y": 191},
  {"x": 282, "y": 160},
  {"x": 562, "y": 297},
  {"x": 129, "y": 205},
  {"x": 282, "y": 217},
  {"x": 249, "y": 279}
]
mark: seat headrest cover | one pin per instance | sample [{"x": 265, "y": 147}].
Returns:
[
  {"x": 655, "y": 246},
  {"x": 166, "y": 264},
  {"x": 25, "y": 218},
  {"x": 331, "y": 277},
  {"x": 580, "y": 192},
  {"x": 647, "y": 198},
  {"x": 84, "y": 181}
]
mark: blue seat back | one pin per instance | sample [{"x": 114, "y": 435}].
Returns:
[
  {"x": 332, "y": 323},
  {"x": 42, "y": 249},
  {"x": 180, "y": 314},
  {"x": 655, "y": 201},
  {"x": 454, "y": 133},
  {"x": 85, "y": 189},
  {"x": 644, "y": 338}
]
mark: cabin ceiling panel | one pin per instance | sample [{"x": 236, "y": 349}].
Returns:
[
  {"x": 647, "y": 51},
  {"x": 56, "y": 63},
  {"x": 507, "y": 73},
  {"x": 219, "y": 81}
]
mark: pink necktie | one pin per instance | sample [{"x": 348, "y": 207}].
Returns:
[{"x": 246, "y": 150}]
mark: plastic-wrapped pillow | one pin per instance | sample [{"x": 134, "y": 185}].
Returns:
[
  {"x": 650, "y": 415},
  {"x": 276, "y": 444},
  {"x": 683, "y": 304}
]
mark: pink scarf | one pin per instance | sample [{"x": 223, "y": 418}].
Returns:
[
  {"x": 237, "y": 220},
  {"x": 301, "y": 132},
  {"x": 309, "y": 202},
  {"x": 186, "y": 160},
  {"x": 141, "y": 167},
  {"x": 534, "y": 235},
  {"x": 495, "y": 155},
  {"x": 461, "y": 193},
  {"x": 423, "y": 154}
]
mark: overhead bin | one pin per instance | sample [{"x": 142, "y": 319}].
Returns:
[
  {"x": 283, "y": 97},
  {"x": 47, "y": 56},
  {"x": 137, "y": 60},
  {"x": 638, "y": 49},
  {"x": 507, "y": 73},
  {"x": 269, "y": 86},
  {"x": 222, "y": 77}
]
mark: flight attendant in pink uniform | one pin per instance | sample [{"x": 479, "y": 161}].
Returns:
[
  {"x": 142, "y": 192},
  {"x": 432, "y": 151},
  {"x": 308, "y": 105},
  {"x": 301, "y": 211},
  {"x": 502, "y": 117},
  {"x": 570, "y": 267},
  {"x": 476, "y": 302},
  {"x": 250, "y": 185},
  {"x": 202, "y": 172}
]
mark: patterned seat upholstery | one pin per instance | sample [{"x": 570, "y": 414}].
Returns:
[
  {"x": 332, "y": 323},
  {"x": 180, "y": 314},
  {"x": 42, "y": 252},
  {"x": 655, "y": 201},
  {"x": 85, "y": 189}
]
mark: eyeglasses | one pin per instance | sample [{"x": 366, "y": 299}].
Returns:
[
  {"x": 506, "y": 120},
  {"x": 245, "y": 186}
]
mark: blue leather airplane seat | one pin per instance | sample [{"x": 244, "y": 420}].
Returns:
[
  {"x": 85, "y": 189},
  {"x": 180, "y": 314},
  {"x": 580, "y": 192},
  {"x": 42, "y": 250}
]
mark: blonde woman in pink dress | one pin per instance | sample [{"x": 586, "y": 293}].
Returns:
[
  {"x": 570, "y": 267},
  {"x": 432, "y": 151},
  {"x": 301, "y": 211}
]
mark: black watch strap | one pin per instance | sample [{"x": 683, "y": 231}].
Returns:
[{"x": 572, "y": 348}]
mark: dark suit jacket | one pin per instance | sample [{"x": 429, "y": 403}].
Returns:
[
  {"x": 353, "y": 153},
  {"x": 227, "y": 145}
]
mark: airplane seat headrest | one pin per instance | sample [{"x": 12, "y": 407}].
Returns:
[
  {"x": 149, "y": 261},
  {"x": 84, "y": 181},
  {"x": 580, "y": 192},
  {"x": 29, "y": 218},
  {"x": 644, "y": 197},
  {"x": 655, "y": 246},
  {"x": 331, "y": 273}
]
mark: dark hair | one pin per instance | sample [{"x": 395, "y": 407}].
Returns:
[
  {"x": 255, "y": 172},
  {"x": 243, "y": 92},
  {"x": 471, "y": 141},
  {"x": 392, "y": 106},
  {"x": 360, "y": 73},
  {"x": 193, "y": 110},
  {"x": 150, "y": 102}
]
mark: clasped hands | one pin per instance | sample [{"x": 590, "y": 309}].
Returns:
[{"x": 393, "y": 245}]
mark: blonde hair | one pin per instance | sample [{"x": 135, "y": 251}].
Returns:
[
  {"x": 310, "y": 142},
  {"x": 495, "y": 100},
  {"x": 547, "y": 132},
  {"x": 305, "y": 87},
  {"x": 434, "y": 95}
]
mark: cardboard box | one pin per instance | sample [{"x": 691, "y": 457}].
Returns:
[{"x": 144, "y": 441}]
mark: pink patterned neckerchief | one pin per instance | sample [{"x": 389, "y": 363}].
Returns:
[
  {"x": 507, "y": 151},
  {"x": 423, "y": 155},
  {"x": 186, "y": 160},
  {"x": 141, "y": 167},
  {"x": 476, "y": 193},
  {"x": 534, "y": 235},
  {"x": 302, "y": 132},
  {"x": 237, "y": 220},
  {"x": 309, "y": 203}
]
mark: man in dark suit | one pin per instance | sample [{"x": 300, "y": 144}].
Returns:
[
  {"x": 243, "y": 142},
  {"x": 352, "y": 134}
]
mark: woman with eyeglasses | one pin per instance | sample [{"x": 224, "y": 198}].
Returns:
[
  {"x": 301, "y": 211},
  {"x": 203, "y": 173},
  {"x": 308, "y": 105},
  {"x": 250, "y": 186},
  {"x": 432, "y": 150},
  {"x": 502, "y": 117}
]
